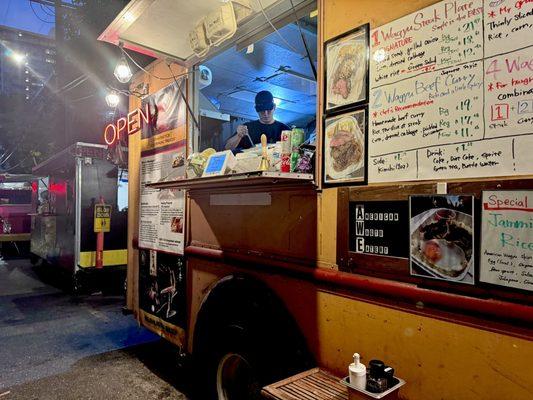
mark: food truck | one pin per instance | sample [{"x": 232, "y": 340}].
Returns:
[
  {"x": 410, "y": 239},
  {"x": 15, "y": 209},
  {"x": 80, "y": 224}
]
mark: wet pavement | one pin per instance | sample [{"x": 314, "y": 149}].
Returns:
[{"x": 54, "y": 345}]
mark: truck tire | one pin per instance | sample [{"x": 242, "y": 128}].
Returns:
[
  {"x": 34, "y": 259},
  {"x": 245, "y": 339},
  {"x": 234, "y": 370}
]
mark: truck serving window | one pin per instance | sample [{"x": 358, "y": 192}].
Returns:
[{"x": 261, "y": 87}]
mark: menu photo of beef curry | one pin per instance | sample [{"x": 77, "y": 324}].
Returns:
[
  {"x": 442, "y": 237},
  {"x": 345, "y": 148}
]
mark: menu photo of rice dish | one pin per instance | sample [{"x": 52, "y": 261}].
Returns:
[
  {"x": 347, "y": 70},
  {"x": 344, "y": 147},
  {"x": 442, "y": 237}
]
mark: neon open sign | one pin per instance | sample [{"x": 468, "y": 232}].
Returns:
[{"x": 127, "y": 125}]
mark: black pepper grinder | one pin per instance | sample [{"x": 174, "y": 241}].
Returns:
[{"x": 376, "y": 380}]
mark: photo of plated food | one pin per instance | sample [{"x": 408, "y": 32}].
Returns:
[
  {"x": 442, "y": 237},
  {"x": 344, "y": 147},
  {"x": 347, "y": 69}
]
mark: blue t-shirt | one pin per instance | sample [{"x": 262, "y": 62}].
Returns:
[{"x": 256, "y": 129}]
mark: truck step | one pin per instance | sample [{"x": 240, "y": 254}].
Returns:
[{"x": 314, "y": 384}]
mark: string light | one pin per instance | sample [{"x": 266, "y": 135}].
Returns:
[
  {"x": 122, "y": 70},
  {"x": 112, "y": 99}
]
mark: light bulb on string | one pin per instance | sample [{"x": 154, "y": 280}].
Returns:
[
  {"x": 122, "y": 70},
  {"x": 112, "y": 99}
]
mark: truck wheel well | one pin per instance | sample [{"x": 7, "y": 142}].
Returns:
[{"x": 243, "y": 309}]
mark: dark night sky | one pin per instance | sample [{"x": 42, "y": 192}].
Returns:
[{"x": 19, "y": 14}]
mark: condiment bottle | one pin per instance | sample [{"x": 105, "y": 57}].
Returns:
[
  {"x": 357, "y": 372},
  {"x": 376, "y": 381}
]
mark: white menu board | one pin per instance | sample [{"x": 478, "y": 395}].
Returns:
[
  {"x": 451, "y": 92},
  {"x": 507, "y": 239}
]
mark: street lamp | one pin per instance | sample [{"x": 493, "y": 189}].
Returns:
[
  {"x": 122, "y": 70},
  {"x": 112, "y": 99},
  {"x": 17, "y": 57}
]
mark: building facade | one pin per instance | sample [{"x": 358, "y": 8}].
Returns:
[{"x": 27, "y": 62}]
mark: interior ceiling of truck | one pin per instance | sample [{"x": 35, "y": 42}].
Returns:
[{"x": 278, "y": 63}]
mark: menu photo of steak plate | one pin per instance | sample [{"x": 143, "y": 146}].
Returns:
[
  {"x": 442, "y": 237},
  {"x": 346, "y": 64},
  {"x": 345, "y": 148}
]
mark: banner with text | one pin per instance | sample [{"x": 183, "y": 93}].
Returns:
[{"x": 162, "y": 211}]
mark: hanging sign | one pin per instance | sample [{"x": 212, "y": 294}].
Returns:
[
  {"x": 102, "y": 218},
  {"x": 128, "y": 125},
  {"x": 507, "y": 239}
]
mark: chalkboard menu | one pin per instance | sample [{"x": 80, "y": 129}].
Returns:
[
  {"x": 507, "y": 239},
  {"x": 379, "y": 228},
  {"x": 452, "y": 92}
]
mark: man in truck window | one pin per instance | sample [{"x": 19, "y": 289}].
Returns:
[{"x": 249, "y": 134}]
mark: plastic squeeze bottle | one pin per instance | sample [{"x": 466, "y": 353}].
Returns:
[{"x": 357, "y": 373}]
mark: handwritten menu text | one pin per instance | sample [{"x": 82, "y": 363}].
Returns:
[
  {"x": 452, "y": 92},
  {"x": 507, "y": 239}
]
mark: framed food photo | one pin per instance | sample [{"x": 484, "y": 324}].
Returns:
[
  {"x": 346, "y": 61},
  {"x": 345, "y": 143},
  {"x": 442, "y": 237}
]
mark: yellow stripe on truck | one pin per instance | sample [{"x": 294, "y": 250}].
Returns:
[{"x": 111, "y": 257}]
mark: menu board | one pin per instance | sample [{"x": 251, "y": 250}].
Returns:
[
  {"x": 376, "y": 228},
  {"x": 452, "y": 92},
  {"x": 507, "y": 239}
]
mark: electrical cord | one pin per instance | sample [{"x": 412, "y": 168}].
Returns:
[
  {"x": 72, "y": 82},
  {"x": 4, "y": 159},
  {"x": 150, "y": 73},
  {"x": 189, "y": 109},
  {"x": 126, "y": 92},
  {"x": 47, "y": 11},
  {"x": 275, "y": 29},
  {"x": 311, "y": 63},
  {"x": 35, "y": 13},
  {"x": 76, "y": 85},
  {"x": 83, "y": 98}
]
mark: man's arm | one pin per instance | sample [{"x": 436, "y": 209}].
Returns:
[{"x": 234, "y": 141}]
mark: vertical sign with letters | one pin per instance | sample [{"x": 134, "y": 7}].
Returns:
[{"x": 379, "y": 228}]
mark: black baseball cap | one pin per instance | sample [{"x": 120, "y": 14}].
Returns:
[{"x": 264, "y": 101}]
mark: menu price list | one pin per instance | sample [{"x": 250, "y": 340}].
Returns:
[
  {"x": 441, "y": 35},
  {"x": 507, "y": 25},
  {"x": 458, "y": 160},
  {"x": 509, "y": 94},
  {"x": 442, "y": 122},
  {"x": 507, "y": 239},
  {"x": 436, "y": 108}
]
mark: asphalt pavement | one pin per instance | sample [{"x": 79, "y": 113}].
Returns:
[{"x": 54, "y": 345}]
